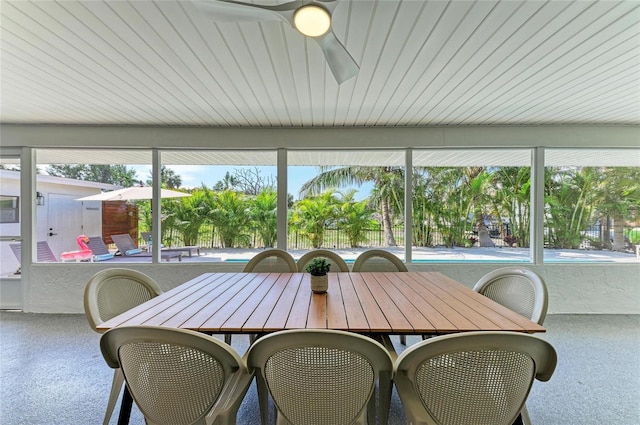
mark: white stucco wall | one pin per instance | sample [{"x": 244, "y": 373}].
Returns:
[{"x": 573, "y": 288}]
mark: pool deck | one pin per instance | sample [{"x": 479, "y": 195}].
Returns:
[{"x": 441, "y": 254}]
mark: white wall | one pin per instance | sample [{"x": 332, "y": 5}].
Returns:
[{"x": 573, "y": 288}]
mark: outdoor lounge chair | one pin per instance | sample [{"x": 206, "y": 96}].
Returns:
[
  {"x": 128, "y": 248},
  {"x": 188, "y": 250},
  {"x": 44, "y": 253},
  {"x": 99, "y": 248}
]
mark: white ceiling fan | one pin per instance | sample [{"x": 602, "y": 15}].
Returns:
[{"x": 311, "y": 18}]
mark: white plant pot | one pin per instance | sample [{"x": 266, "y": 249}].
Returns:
[{"x": 319, "y": 284}]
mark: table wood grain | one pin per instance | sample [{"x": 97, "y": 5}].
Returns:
[{"x": 366, "y": 302}]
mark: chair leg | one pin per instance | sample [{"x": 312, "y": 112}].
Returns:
[
  {"x": 227, "y": 339},
  {"x": 523, "y": 418},
  {"x": 116, "y": 386},
  {"x": 403, "y": 339}
]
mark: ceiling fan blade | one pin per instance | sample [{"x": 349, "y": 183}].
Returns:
[
  {"x": 229, "y": 11},
  {"x": 340, "y": 61}
]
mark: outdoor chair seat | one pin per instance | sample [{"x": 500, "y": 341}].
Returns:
[
  {"x": 99, "y": 248},
  {"x": 127, "y": 247}
]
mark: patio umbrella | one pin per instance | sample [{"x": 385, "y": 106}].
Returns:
[{"x": 133, "y": 193}]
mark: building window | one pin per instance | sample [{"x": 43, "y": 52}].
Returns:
[{"x": 9, "y": 209}]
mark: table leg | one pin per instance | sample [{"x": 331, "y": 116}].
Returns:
[{"x": 125, "y": 407}]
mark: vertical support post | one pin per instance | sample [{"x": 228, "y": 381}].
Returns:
[
  {"x": 282, "y": 199},
  {"x": 156, "y": 231},
  {"x": 537, "y": 206},
  {"x": 408, "y": 204},
  {"x": 29, "y": 222}
]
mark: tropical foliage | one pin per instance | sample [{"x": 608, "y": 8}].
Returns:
[
  {"x": 455, "y": 206},
  {"x": 112, "y": 174},
  {"x": 314, "y": 214}
]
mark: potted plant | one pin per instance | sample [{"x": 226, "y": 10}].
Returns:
[{"x": 319, "y": 267}]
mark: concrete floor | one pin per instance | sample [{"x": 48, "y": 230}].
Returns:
[{"x": 52, "y": 372}]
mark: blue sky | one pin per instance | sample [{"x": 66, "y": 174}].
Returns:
[{"x": 196, "y": 175}]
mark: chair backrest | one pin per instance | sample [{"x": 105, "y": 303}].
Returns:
[
  {"x": 125, "y": 244},
  {"x": 176, "y": 376},
  {"x": 272, "y": 260},
  {"x": 320, "y": 376},
  {"x": 43, "y": 252},
  {"x": 336, "y": 262},
  {"x": 145, "y": 236},
  {"x": 471, "y": 378},
  {"x": 378, "y": 260},
  {"x": 99, "y": 248},
  {"x": 518, "y": 289},
  {"x": 111, "y": 292}
]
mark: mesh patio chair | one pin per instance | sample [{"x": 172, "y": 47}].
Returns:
[
  {"x": 109, "y": 293},
  {"x": 177, "y": 376},
  {"x": 336, "y": 262},
  {"x": 271, "y": 261},
  {"x": 320, "y": 376},
  {"x": 479, "y": 378},
  {"x": 378, "y": 260},
  {"x": 518, "y": 289}
]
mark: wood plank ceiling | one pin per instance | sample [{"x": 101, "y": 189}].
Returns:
[{"x": 422, "y": 63}]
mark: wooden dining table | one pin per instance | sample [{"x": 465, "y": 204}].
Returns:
[
  {"x": 373, "y": 303},
  {"x": 380, "y": 303}
]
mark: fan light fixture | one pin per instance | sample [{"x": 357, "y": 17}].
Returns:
[{"x": 312, "y": 21}]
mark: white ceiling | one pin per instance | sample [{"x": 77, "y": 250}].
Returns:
[{"x": 422, "y": 63}]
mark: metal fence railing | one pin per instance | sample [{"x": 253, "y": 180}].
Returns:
[{"x": 335, "y": 238}]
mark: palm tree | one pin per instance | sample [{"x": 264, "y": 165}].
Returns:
[
  {"x": 478, "y": 182},
  {"x": 385, "y": 179},
  {"x": 228, "y": 182},
  {"x": 354, "y": 218},
  {"x": 448, "y": 203},
  {"x": 189, "y": 214},
  {"x": 569, "y": 203},
  {"x": 313, "y": 215},
  {"x": 617, "y": 196},
  {"x": 168, "y": 178},
  {"x": 230, "y": 218},
  {"x": 263, "y": 213},
  {"x": 513, "y": 199}
]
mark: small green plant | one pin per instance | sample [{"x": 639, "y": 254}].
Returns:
[{"x": 318, "y": 267}]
